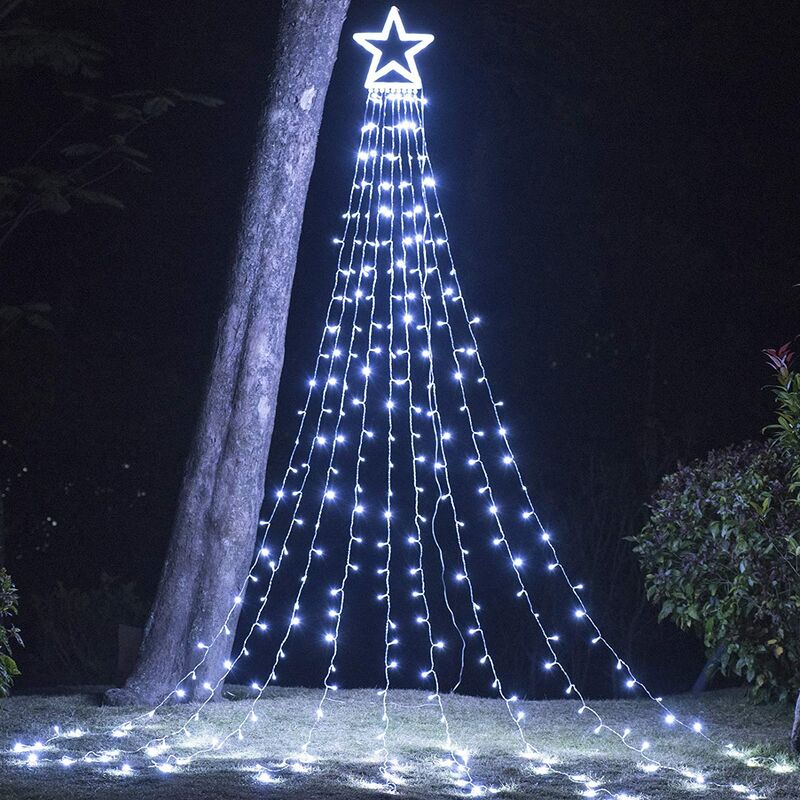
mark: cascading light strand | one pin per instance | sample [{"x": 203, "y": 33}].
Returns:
[
  {"x": 353, "y": 213},
  {"x": 338, "y": 292},
  {"x": 418, "y": 241},
  {"x": 315, "y": 441},
  {"x": 358, "y": 509},
  {"x": 460, "y": 762},
  {"x": 531, "y": 513},
  {"x": 572, "y": 688},
  {"x": 184, "y": 728},
  {"x": 335, "y": 440},
  {"x": 389, "y": 662},
  {"x": 446, "y": 495}
]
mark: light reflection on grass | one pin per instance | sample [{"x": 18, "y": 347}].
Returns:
[{"x": 340, "y": 763}]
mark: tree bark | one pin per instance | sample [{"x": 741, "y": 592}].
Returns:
[
  {"x": 796, "y": 728},
  {"x": 214, "y": 531}
]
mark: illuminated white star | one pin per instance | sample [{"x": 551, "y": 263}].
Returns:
[{"x": 376, "y": 78}]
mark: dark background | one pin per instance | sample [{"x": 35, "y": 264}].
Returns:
[{"x": 620, "y": 185}]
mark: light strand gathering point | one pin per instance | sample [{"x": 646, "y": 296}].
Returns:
[{"x": 406, "y": 76}]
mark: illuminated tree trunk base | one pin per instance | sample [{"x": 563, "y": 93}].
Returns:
[
  {"x": 216, "y": 521},
  {"x": 796, "y": 728}
]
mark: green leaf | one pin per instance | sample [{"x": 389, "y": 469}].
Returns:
[
  {"x": 202, "y": 99},
  {"x": 37, "y": 308},
  {"x": 124, "y": 111},
  {"x": 156, "y": 106},
  {"x": 97, "y": 198},
  {"x": 81, "y": 149},
  {"x": 38, "y": 321},
  {"x": 24, "y": 46},
  {"x": 135, "y": 93},
  {"x": 9, "y": 665},
  {"x": 132, "y": 152},
  {"x": 10, "y": 313},
  {"x": 52, "y": 200},
  {"x": 136, "y": 166}
]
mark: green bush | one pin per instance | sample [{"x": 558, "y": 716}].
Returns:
[
  {"x": 787, "y": 427},
  {"x": 8, "y": 633},
  {"x": 721, "y": 558},
  {"x": 721, "y": 550}
]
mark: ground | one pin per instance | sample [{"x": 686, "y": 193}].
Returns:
[{"x": 346, "y": 738}]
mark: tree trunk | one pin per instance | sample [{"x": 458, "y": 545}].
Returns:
[
  {"x": 710, "y": 668},
  {"x": 216, "y": 521},
  {"x": 796, "y": 728}
]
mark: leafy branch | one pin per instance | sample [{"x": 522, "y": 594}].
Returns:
[
  {"x": 27, "y": 46},
  {"x": 57, "y": 180},
  {"x": 9, "y": 633},
  {"x": 786, "y": 429},
  {"x": 31, "y": 189}
]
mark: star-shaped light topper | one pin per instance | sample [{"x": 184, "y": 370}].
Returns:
[{"x": 386, "y": 77}]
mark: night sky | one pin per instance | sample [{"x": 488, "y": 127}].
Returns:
[{"x": 620, "y": 185}]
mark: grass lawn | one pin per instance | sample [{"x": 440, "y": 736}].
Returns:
[{"x": 346, "y": 739}]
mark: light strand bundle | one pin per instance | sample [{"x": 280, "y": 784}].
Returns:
[{"x": 394, "y": 181}]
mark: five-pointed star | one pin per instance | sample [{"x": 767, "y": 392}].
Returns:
[{"x": 409, "y": 71}]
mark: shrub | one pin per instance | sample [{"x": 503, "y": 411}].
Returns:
[
  {"x": 73, "y": 632},
  {"x": 787, "y": 427},
  {"x": 721, "y": 550},
  {"x": 8, "y": 633}
]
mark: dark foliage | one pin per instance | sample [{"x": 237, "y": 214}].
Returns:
[
  {"x": 9, "y": 634},
  {"x": 721, "y": 555},
  {"x": 722, "y": 549},
  {"x": 72, "y": 634}
]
